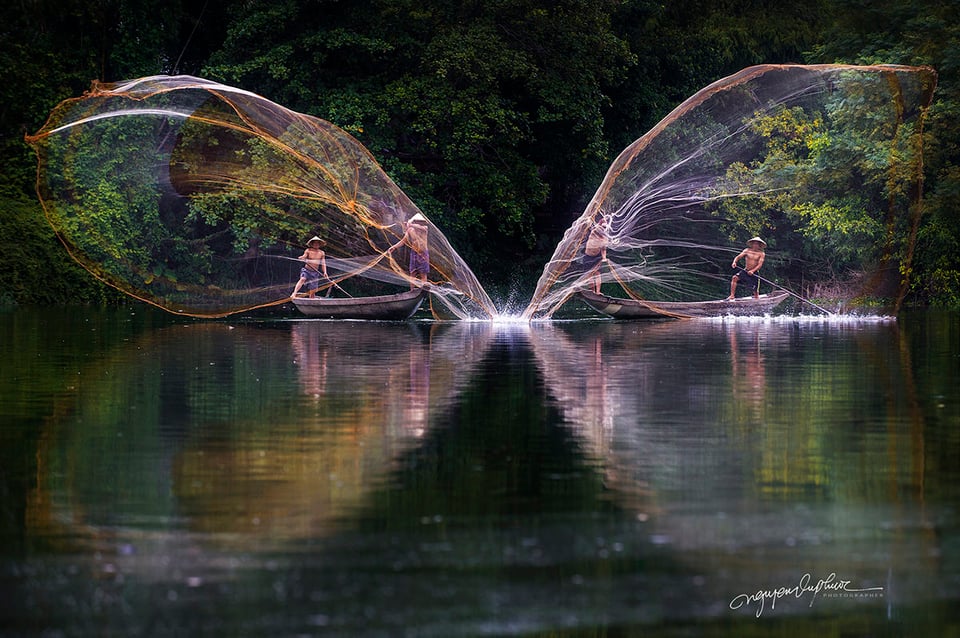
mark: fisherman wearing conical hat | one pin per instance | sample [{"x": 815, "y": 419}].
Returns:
[
  {"x": 753, "y": 256},
  {"x": 315, "y": 263},
  {"x": 415, "y": 237}
]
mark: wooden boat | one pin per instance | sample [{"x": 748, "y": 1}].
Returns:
[
  {"x": 383, "y": 307},
  {"x": 632, "y": 309}
]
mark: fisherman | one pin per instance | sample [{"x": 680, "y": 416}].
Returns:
[
  {"x": 753, "y": 256},
  {"x": 595, "y": 250},
  {"x": 315, "y": 264},
  {"x": 415, "y": 237}
]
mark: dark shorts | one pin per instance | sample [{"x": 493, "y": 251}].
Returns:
[
  {"x": 746, "y": 279},
  {"x": 419, "y": 263},
  {"x": 311, "y": 278}
]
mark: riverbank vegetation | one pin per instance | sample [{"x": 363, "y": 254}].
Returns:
[{"x": 499, "y": 119}]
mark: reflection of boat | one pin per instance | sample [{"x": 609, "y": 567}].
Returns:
[
  {"x": 383, "y": 307},
  {"x": 619, "y": 308},
  {"x": 333, "y": 408}
]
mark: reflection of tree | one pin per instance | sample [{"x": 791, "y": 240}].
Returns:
[
  {"x": 504, "y": 453},
  {"x": 381, "y": 388},
  {"x": 588, "y": 401},
  {"x": 771, "y": 449},
  {"x": 906, "y": 453},
  {"x": 209, "y": 441},
  {"x": 592, "y": 398},
  {"x": 274, "y": 430}
]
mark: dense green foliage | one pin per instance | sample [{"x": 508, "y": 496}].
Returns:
[
  {"x": 927, "y": 33},
  {"x": 838, "y": 180},
  {"x": 497, "y": 118}
]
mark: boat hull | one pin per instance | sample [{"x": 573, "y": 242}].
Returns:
[
  {"x": 381, "y": 308},
  {"x": 633, "y": 309}
]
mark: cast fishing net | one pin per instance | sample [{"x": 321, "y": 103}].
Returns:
[
  {"x": 199, "y": 198},
  {"x": 823, "y": 162}
]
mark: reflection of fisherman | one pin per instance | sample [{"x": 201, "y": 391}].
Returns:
[
  {"x": 310, "y": 353},
  {"x": 753, "y": 256},
  {"x": 316, "y": 262},
  {"x": 749, "y": 379},
  {"x": 595, "y": 252},
  {"x": 415, "y": 237},
  {"x": 416, "y": 413}
]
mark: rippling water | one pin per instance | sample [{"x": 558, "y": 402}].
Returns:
[{"x": 290, "y": 477}]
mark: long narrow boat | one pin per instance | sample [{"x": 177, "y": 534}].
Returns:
[
  {"x": 633, "y": 309},
  {"x": 383, "y": 307}
]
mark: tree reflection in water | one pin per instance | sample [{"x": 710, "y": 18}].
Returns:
[{"x": 583, "y": 474}]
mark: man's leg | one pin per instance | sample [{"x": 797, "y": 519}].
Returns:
[{"x": 296, "y": 288}]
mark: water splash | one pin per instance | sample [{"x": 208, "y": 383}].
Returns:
[
  {"x": 785, "y": 151},
  {"x": 199, "y": 198}
]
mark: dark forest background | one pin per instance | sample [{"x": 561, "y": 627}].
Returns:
[{"x": 498, "y": 118}]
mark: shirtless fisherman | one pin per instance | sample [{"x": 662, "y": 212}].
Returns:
[
  {"x": 315, "y": 262},
  {"x": 753, "y": 256},
  {"x": 415, "y": 237}
]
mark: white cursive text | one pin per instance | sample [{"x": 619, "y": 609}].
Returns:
[{"x": 829, "y": 584}]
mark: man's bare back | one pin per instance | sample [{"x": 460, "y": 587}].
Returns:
[{"x": 416, "y": 237}]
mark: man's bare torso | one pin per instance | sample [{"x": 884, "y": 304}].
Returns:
[{"x": 752, "y": 258}]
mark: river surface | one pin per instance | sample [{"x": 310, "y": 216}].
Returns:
[{"x": 262, "y": 477}]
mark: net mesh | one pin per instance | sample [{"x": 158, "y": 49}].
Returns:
[
  {"x": 200, "y": 198},
  {"x": 824, "y": 162}
]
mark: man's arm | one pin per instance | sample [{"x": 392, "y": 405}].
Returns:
[{"x": 402, "y": 240}]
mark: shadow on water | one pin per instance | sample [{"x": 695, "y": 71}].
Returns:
[{"x": 581, "y": 478}]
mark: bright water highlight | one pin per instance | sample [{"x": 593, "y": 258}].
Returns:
[{"x": 301, "y": 477}]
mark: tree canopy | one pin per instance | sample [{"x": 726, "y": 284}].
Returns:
[{"x": 500, "y": 118}]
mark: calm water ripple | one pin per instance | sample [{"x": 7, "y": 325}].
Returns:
[{"x": 276, "y": 477}]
